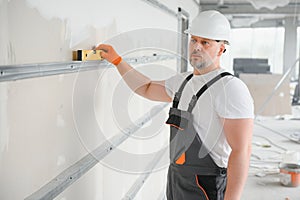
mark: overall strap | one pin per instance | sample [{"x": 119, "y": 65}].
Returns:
[
  {"x": 204, "y": 88},
  {"x": 179, "y": 92}
]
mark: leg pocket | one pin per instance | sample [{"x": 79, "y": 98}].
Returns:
[
  {"x": 214, "y": 186},
  {"x": 209, "y": 185},
  {"x": 185, "y": 188},
  {"x": 202, "y": 188}
]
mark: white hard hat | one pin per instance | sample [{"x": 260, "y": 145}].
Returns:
[{"x": 210, "y": 24}]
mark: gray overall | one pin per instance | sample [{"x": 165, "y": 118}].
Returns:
[{"x": 192, "y": 175}]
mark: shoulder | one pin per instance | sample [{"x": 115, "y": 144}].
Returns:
[
  {"x": 176, "y": 79},
  {"x": 182, "y": 75},
  {"x": 233, "y": 88},
  {"x": 235, "y": 84},
  {"x": 234, "y": 99},
  {"x": 173, "y": 83}
]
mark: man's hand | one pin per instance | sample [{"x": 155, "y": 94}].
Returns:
[{"x": 109, "y": 54}]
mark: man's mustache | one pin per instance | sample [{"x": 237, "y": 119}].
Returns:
[{"x": 197, "y": 54}]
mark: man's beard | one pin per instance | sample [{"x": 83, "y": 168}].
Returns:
[
  {"x": 200, "y": 64},
  {"x": 204, "y": 63}
]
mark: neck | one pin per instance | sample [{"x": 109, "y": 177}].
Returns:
[{"x": 208, "y": 69}]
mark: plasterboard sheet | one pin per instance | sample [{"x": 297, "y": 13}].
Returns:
[{"x": 261, "y": 86}]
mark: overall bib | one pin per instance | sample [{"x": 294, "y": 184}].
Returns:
[{"x": 192, "y": 175}]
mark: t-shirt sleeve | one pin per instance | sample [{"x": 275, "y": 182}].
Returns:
[
  {"x": 169, "y": 86},
  {"x": 234, "y": 101},
  {"x": 172, "y": 84}
]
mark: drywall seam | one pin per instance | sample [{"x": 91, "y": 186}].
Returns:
[
  {"x": 4, "y": 49},
  {"x": 4, "y": 130},
  {"x": 4, "y": 34}
]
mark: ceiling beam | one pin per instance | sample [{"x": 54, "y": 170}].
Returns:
[
  {"x": 247, "y": 8},
  {"x": 266, "y": 23}
]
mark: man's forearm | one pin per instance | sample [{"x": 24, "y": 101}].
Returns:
[
  {"x": 139, "y": 83},
  {"x": 134, "y": 79},
  {"x": 237, "y": 173}
]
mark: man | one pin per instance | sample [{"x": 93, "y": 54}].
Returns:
[{"x": 211, "y": 118}]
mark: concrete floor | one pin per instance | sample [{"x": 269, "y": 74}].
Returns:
[{"x": 270, "y": 144}]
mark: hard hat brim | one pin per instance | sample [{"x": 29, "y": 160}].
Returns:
[{"x": 188, "y": 31}]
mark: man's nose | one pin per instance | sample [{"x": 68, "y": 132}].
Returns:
[{"x": 197, "y": 46}]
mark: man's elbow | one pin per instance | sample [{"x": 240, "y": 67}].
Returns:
[
  {"x": 143, "y": 91},
  {"x": 242, "y": 153},
  {"x": 155, "y": 93}
]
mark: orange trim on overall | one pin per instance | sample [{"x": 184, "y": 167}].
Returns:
[
  {"x": 176, "y": 126},
  {"x": 181, "y": 159},
  {"x": 201, "y": 188}
]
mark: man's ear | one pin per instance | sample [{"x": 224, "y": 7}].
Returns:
[{"x": 222, "y": 50}]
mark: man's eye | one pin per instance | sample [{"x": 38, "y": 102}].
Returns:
[
  {"x": 205, "y": 43},
  {"x": 193, "y": 40}
]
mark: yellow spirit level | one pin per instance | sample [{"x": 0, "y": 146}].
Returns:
[{"x": 82, "y": 55}]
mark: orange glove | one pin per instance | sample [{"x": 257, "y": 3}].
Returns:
[{"x": 109, "y": 54}]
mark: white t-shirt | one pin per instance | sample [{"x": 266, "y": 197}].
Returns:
[{"x": 227, "y": 98}]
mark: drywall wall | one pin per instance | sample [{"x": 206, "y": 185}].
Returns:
[{"x": 40, "y": 132}]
